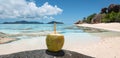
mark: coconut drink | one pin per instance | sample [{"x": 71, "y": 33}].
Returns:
[{"x": 54, "y": 41}]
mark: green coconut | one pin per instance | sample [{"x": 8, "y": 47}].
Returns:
[{"x": 55, "y": 42}]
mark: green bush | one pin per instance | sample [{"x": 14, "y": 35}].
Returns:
[
  {"x": 111, "y": 17},
  {"x": 89, "y": 18}
]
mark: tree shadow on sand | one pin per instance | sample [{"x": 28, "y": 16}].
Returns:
[{"x": 46, "y": 54}]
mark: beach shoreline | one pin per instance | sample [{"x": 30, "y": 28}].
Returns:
[
  {"x": 6, "y": 40},
  {"x": 108, "y": 47},
  {"x": 105, "y": 26}
]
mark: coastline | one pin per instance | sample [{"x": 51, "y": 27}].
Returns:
[
  {"x": 108, "y": 47},
  {"x": 105, "y": 26},
  {"x": 6, "y": 40}
]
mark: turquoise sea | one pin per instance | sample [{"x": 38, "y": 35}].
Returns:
[
  {"x": 71, "y": 32},
  {"x": 31, "y": 28}
]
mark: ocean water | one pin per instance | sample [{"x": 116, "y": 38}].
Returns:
[
  {"x": 33, "y": 36},
  {"x": 28, "y": 31},
  {"x": 29, "y": 28}
]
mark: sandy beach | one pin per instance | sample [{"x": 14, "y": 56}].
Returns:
[
  {"x": 6, "y": 40},
  {"x": 98, "y": 45},
  {"x": 108, "y": 47},
  {"x": 106, "y": 26}
]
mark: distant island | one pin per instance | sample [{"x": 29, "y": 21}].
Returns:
[
  {"x": 52, "y": 22},
  {"x": 30, "y": 22},
  {"x": 23, "y": 22},
  {"x": 107, "y": 15}
]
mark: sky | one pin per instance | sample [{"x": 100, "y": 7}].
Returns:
[{"x": 67, "y": 11}]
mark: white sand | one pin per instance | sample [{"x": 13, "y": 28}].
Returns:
[
  {"x": 107, "y": 47},
  {"x": 39, "y": 43},
  {"x": 23, "y": 45},
  {"x": 106, "y": 26},
  {"x": 4, "y": 40}
]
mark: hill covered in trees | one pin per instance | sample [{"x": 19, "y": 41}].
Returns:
[
  {"x": 31, "y": 22},
  {"x": 106, "y": 15},
  {"x": 23, "y": 22}
]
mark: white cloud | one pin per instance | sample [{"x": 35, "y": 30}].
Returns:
[{"x": 21, "y": 9}]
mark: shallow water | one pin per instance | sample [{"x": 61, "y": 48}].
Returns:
[
  {"x": 27, "y": 31},
  {"x": 28, "y": 28},
  {"x": 71, "y": 32}
]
